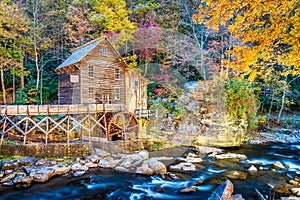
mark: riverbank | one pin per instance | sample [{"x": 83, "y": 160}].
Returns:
[{"x": 209, "y": 166}]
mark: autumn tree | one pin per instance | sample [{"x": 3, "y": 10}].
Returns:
[
  {"x": 268, "y": 33},
  {"x": 13, "y": 26}
]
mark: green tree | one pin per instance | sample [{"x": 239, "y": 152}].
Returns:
[{"x": 13, "y": 26}]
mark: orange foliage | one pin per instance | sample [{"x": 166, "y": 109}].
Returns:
[{"x": 268, "y": 33}]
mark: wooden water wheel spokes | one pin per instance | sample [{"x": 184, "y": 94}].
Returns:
[{"x": 122, "y": 123}]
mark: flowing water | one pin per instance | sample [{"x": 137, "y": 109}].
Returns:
[{"x": 105, "y": 184}]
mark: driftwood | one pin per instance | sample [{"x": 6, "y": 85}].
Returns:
[{"x": 223, "y": 191}]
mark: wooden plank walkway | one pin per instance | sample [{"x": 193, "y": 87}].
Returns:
[
  {"x": 47, "y": 119},
  {"x": 59, "y": 109}
]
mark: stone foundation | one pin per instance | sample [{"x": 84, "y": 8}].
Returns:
[
  {"x": 118, "y": 146},
  {"x": 51, "y": 150}
]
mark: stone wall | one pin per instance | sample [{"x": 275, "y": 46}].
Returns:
[
  {"x": 51, "y": 150},
  {"x": 118, "y": 146}
]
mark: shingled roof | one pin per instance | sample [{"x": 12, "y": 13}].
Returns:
[{"x": 79, "y": 54}]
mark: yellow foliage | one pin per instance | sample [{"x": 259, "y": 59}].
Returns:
[{"x": 268, "y": 33}]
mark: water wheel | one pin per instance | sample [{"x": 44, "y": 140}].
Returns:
[{"x": 122, "y": 123}]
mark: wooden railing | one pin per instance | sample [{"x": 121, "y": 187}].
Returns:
[
  {"x": 46, "y": 119},
  {"x": 59, "y": 109}
]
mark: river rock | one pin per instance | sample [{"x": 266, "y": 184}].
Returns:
[
  {"x": 8, "y": 177},
  {"x": 8, "y": 183},
  {"x": 9, "y": 171},
  {"x": 188, "y": 190},
  {"x": 101, "y": 153},
  {"x": 231, "y": 156},
  {"x": 79, "y": 173},
  {"x": 27, "y": 161},
  {"x": 278, "y": 165},
  {"x": 296, "y": 191},
  {"x": 192, "y": 155},
  {"x": 144, "y": 169},
  {"x": 172, "y": 176},
  {"x": 223, "y": 191},
  {"x": 122, "y": 169},
  {"x": 52, "y": 162},
  {"x": 157, "y": 166},
  {"x": 60, "y": 169},
  {"x": 183, "y": 167},
  {"x": 131, "y": 161},
  {"x": 79, "y": 167},
  {"x": 93, "y": 158},
  {"x": 1, "y": 174},
  {"x": 23, "y": 179},
  {"x": 41, "y": 162},
  {"x": 91, "y": 165},
  {"x": 163, "y": 158},
  {"x": 252, "y": 169},
  {"x": 7, "y": 165},
  {"x": 236, "y": 175},
  {"x": 42, "y": 173},
  {"x": 294, "y": 182},
  {"x": 144, "y": 154},
  {"x": 191, "y": 159},
  {"x": 109, "y": 162},
  {"x": 237, "y": 197},
  {"x": 206, "y": 150}
]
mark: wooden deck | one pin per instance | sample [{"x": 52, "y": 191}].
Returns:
[
  {"x": 62, "y": 119},
  {"x": 59, "y": 109}
]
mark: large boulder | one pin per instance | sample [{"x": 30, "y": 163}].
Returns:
[
  {"x": 144, "y": 154},
  {"x": 144, "y": 169},
  {"x": 231, "y": 156},
  {"x": 7, "y": 165},
  {"x": 27, "y": 161},
  {"x": 223, "y": 191},
  {"x": 131, "y": 161},
  {"x": 101, "y": 153},
  {"x": 8, "y": 177},
  {"x": 109, "y": 162},
  {"x": 41, "y": 174},
  {"x": 23, "y": 180},
  {"x": 60, "y": 169},
  {"x": 157, "y": 166},
  {"x": 183, "y": 167},
  {"x": 278, "y": 165},
  {"x": 206, "y": 150},
  {"x": 79, "y": 167}
]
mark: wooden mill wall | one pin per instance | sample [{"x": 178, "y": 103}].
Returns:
[
  {"x": 68, "y": 93},
  {"x": 136, "y": 91},
  {"x": 104, "y": 81}
]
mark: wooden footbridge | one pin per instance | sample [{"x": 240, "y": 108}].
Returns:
[{"x": 110, "y": 121}]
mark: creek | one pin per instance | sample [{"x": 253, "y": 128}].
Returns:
[{"x": 106, "y": 184}]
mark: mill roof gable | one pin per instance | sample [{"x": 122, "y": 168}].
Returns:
[{"x": 84, "y": 50}]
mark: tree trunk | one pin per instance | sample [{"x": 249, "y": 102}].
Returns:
[
  {"x": 35, "y": 46},
  {"x": 14, "y": 86},
  {"x": 22, "y": 81},
  {"x": 282, "y": 99},
  {"x": 3, "y": 86}
]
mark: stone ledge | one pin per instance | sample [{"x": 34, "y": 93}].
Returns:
[{"x": 51, "y": 150}]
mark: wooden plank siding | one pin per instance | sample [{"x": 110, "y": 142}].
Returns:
[
  {"x": 132, "y": 87},
  {"x": 136, "y": 91},
  {"x": 103, "y": 81},
  {"x": 68, "y": 93}
]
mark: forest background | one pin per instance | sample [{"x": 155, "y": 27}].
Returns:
[{"x": 253, "y": 46}]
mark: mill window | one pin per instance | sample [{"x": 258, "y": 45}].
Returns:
[
  {"x": 117, "y": 74},
  {"x": 136, "y": 83},
  {"x": 91, "y": 71},
  {"x": 91, "y": 92},
  {"x": 117, "y": 93},
  {"x": 104, "y": 51}
]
